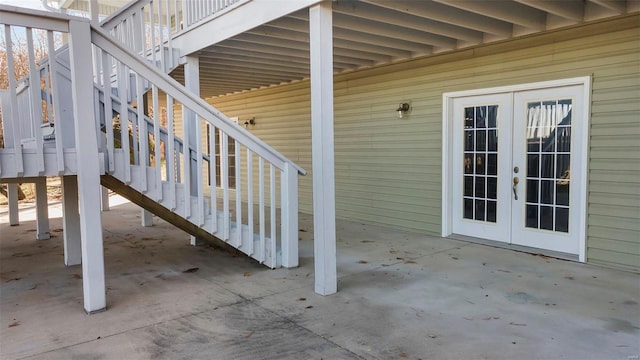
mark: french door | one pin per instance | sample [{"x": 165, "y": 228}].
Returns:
[{"x": 514, "y": 162}]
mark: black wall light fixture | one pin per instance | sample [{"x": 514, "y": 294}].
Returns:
[
  {"x": 251, "y": 122},
  {"x": 403, "y": 110}
]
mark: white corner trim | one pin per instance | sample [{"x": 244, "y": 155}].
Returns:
[
  {"x": 584, "y": 176},
  {"x": 447, "y": 149}
]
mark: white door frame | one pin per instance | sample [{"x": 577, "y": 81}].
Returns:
[{"x": 447, "y": 147}]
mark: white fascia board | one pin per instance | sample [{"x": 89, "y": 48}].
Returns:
[{"x": 243, "y": 18}]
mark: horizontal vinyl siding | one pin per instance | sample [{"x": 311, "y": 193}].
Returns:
[{"x": 388, "y": 170}]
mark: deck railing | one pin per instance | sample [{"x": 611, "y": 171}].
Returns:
[
  {"x": 148, "y": 26},
  {"x": 28, "y": 116}
]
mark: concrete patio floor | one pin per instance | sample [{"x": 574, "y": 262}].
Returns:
[{"x": 401, "y": 296}]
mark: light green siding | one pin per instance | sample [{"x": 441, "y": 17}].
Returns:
[{"x": 388, "y": 170}]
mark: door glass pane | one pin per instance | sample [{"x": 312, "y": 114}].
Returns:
[
  {"x": 468, "y": 209},
  {"x": 480, "y": 210},
  {"x": 492, "y": 164},
  {"x": 468, "y": 163},
  {"x": 532, "y": 191},
  {"x": 468, "y": 140},
  {"x": 480, "y": 187},
  {"x": 480, "y": 163},
  {"x": 492, "y": 116},
  {"x": 546, "y": 217},
  {"x": 492, "y": 187},
  {"x": 491, "y": 211},
  {"x": 492, "y": 140},
  {"x": 481, "y": 140},
  {"x": 562, "y": 219},
  {"x": 468, "y": 186},
  {"x": 548, "y": 134}
]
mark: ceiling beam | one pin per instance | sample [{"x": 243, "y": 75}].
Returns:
[
  {"x": 619, "y": 6},
  {"x": 376, "y": 13},
  {"x": 356, "y": 45},
  {"x": 505, "y": 10},
  {"x": 254, "y": 55},
  {"x": 297, "y": 22},
  {"x": 392, "y": 31},
  {"x": 264, "y": 48},
  {"x": 253, "y": 61},
  {"x": 368, "y": 47},
  {"x": 291, "y": 52},
  {"x": 261, "y": 68},
  {"x": 357, "y": 36},
  {"x": 260, "y": 56},
  {"x": 291, "y": 44},
  {"x": 447, "y": 14},
  {"x": 568, "y": 9},
  {"x": 235, "y": 75}
]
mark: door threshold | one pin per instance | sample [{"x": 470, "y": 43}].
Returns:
[{"x": 520, "y": 248}]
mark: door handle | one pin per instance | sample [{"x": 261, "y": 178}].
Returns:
[{"x": 515, "y": 187}]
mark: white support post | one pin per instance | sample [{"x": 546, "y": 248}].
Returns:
[
  {"x": 191, "y": 130},
  {"x": 192, "y": 83},
  {"x": 147, "y": 218},
  {"x": 104, "y": 199},
  {"x": 71, "y": 221},
  {"x": 324, "y": 211},
  {"x": 42, "y": 211},
  {"x": 94, "y": 11},
  {"x": 93, "y": 283},
  {"x": 195, "y": 241},
  {"x": 12, "y": 193}
]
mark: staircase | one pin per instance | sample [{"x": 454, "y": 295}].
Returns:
[{"x": 158, "y": 144}]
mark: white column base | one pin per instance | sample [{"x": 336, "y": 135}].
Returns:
[
  {"x": 71, "y": 221},
  {"x": 105, "y": 199},
  {"x": 42, "y": 211},
  {"x": 146, "y": 218},
  {"x": 12, "y": 193}
]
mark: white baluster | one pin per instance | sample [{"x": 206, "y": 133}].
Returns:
[
  {"x": 53, "y": 71},
  {"x": 169, "y": 33},
  {"x": 199, "y": 179},
  {"x": 36, "y": 104},
  {"x": 124, "y": 119},
  {"x": 272, "y": 196},
  {"x": 238, "y": 175},
  {"x": 108, "y": 108},
  {"x": 212, "y": 178},
  {"x": 224, "y": 180},
  {"x": 171, "y": 171},
  {"x": 186, "y": 153},
  {"x": 250, "y": 200},
  {"x": 261, "y": 208},
  {"x": 142, "y": 134},
  {"x": 156, "y": 142},
  {"x": 17, "y": 146},
  {"x": 160, "y": 30},
  {"x": 153, "y": 34}
]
